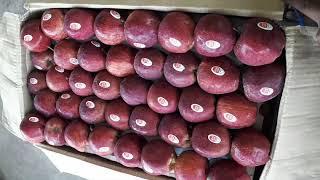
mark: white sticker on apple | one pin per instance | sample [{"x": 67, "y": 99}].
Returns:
[
  {"x": 178, "y": 67},
  {"x": 141, "y": 122},
  {"x": 266, "y": 91},
  {"x": 175, "y": 42},
  {"x": 114, "y": 117},
  {"x": 80, "y": 85},
  {"x": 75, "y": 26},
  {"x": 104, "y": 84},
  {"x": 90, "y": 104},
  {"x": 174, "y": 139},
  {"x": 214, "y": 138},
  {"x": 162, "y": 101},
  {"x": 146, "y": 62},
  {"x": 33, "y": 81},
  {"x": 217, "y": 70},
  {"x": 127, "y": 155},
  {"x": 197, "y": 108}
]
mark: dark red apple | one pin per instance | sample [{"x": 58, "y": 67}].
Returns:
[
  {"x": 102, "y": 140},
  {"x": 76, "y": 135},
  {"x": 45, "y": 102},
  {"x": 134, "y": 90},
  {"x": 173, "y": 129},
  {"x": 106, "y": 86},
  {"x": 67, "y": 105},
  {"x": 195, "y": 105},
  {"x": 148, "y": 63},
  {"x": 227, "y": 170},
  {"x": 54, "y": 131},
  {"x": 33, "y": 38},
  {"x": 78, "y": 24},
  {"x": 250, "y": 148},
  {"x": 190, "y": 166},
  {"x": 214, "y": 36},
  {"x": 117, "y": 114},
  {"x": 162, "y": 97},
  {"x": 128, "y": 150},
  {"x": 260, "y": 43},
  {"x": 36, "y": 81},
  {"x": 91, "y": 56},
  {"x": 144, "y": 121},
  {"x": 65, "y": 54},
  {"x": 92, "y": 110},
  {"x": 52, "y": 22},
  {"x": 32, "y": 127},
  {"x": 120, "y": 60},
  {"x": 234, "y": 111},
  {"x": 263, "y": 83},
  {"x": 176, "y": 32},
  {"x": 80, "y": 82},
  {"x": 141, "y": 28},
  {"x": 109, "y": 28},
  {"x": 58, "y": 79},
  {"x": 42, "y": 60},
  {"x": 158, "y": 157},
  {"x": 180, "y": 69}
]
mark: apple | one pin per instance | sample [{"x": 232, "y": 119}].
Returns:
[
  {"x": 45, "y": 102},
  {"x": 58, "y": 79},
  {"x": 54, "y": 131},
  {"x": 33, "y": 38},
  {"x": 148, "y": 63},
  {"x": 106, "y": 86},
  {"x": 91, "y": 56},
  {"x": 92, "y": 110},
  {"x": 32, "y": 127},
  {"x": 36, "y": 81},
  {"x": 102, "y": 140},
  {"x": 218, "y": 75},
  {"x": 210, "y": 140},
  {"x": 180, "y": 69},
  {"x": 65, "y": 54},
  {"x": 141, "y": 28},
  {"x": 117, "y": 114},
  {"x": 260, "y": 43},
  {"x": 134, "y": 90},
  {"x": 214, "y": 36},
  {"x": 144, "y": 121},
  {"x": 227, "y": 169},
  {"x": 80, "y": 82},
  {"x": 109, "y": 28},
  {"x": 263, "y": 83},
  {"x": 52, "y": 22},
  {"x": 67, "y": 105},
  {"x": 76, "y": 135},
  {"x": 195, "y": 105},
  {"x": 42, "y": 60}
]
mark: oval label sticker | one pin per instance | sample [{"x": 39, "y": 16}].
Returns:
[
  {"x": 141, "y": 122},
  {"x": 162, "y": 101},
  {"x": 114, "y": 117},
  {"x": 65, "y": 96},
  {"x": 217, "y": 70},
  {"x": 47, "y": 17},
  {"x": 139, "y": 45},
  {"x": 265, "y": 26},
  {"x": 27, "y": 38},
  {"x": 59, "y": 69},
  {"x": 146, "y": 62},
  {"x": 33, "y": 81},
  {"x": 115, "y": 14},
  {"x": 175, "y": 42},
  {"x": 211, "y": 44},
  {"x": 230, "y": 117},
  {"x": 174, "y": 139},
  {"x": 214, "y": 138},
  {"x": 33, "y": 119},
  {"x": 104, "y": 84},
  {"x": 80, "y": 85},
  {"x": 90, "y": 104},
  {"x": 197, "y": 108},
  {"x": 127, "y": 156},
  {"x": 266, "y": 91},
  {"x": 75, "y": 26},
  {"x": 74, "y": 61},
  {"x": 178, "y": 67}
]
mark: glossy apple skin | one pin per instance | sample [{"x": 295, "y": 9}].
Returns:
[
  {"x": 78, "y": 24},
  {"x": 117, "y": 114},
  {"x": 214, "y": 36},
  {"x": 218, "y": 75},
  {"x": 263, "y": 83},
  {"x": 52, "y": 22},
  {"x": 250, "y": 148},
  {"x": 226, "y": 170},
  {"x": 45, "y": 102},
  {"x": 91, "y": 56},
  {"x": 235, "y": 111},
  {"x": 128, "y": 150},
  {"x": 141, "y": 28},
  {"x": 180, "y": 69},
  {"x": 144, "y": 121},
  {"x": 175, "y": 32},
  {"x": 148, "y": 63},
  {"x": 173, "y": 129},
  {"x": 109, "y": 27},
  {"x": 195, "y": 105},
  {"x": 58, "y": 79},
  {"x": 210, "y": 140},
  {"x": 42, "y": 60},
  {"x": 257, "y": 46},
  {"x": 92, "y": 110},
  {"x": 65, "y": 54},
  {"x": 67, "y": 105},
  {"x": 102, "y": 140},
  {"x": 76, "y": 135},
  {"x": 33, "y": 38},
  {"x": 36, "y": 81},
  {"x": 54, "y": 131},
  {"x": 120, "y": 59},
  {"x": 106, "y": 86},
  {"x": 134, "y": 90},
  {"x": 80, "y": 82},
  {"x": 157, "y": 157},
  {"x": 32, "y": 127},
  {"x": 190, "y": 166}
]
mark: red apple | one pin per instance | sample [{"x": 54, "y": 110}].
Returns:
[
  {"x": 91, "y": 56},
  {"x": 226, "y": 170},
  {"x": 45, "y": 102},
  {"x": 148, "y": 63},
  {"x": 42, "y": 60},
  {"x": 76, "y": 135},
  {"x": 180, "y": 69},
  {"x": 67, "y": 105},
  {"x": 102, "y": 140},
  {"x": 134, "y": 90},
  {"x": 218, "y": 75},
  {"x": 32, "y": 127},
  {"x": 80, "y": 82},
  {"x": 33, "y": 38},
  {"x": 65, "y": 54},
  {"x": 58, "y": 79},
  {"x": 176, "y": 32},
  {"x": 36, "y": 81},
  {"x": 117, "y": 114},
  {"x": 260, "y": 43},
  {"x": 52, "y": 22},
  {"x": 54, "y": 131},
  {"x": 92, "y": 110},
  {"x": 106, "y": 86},
  {"x": 214, "y": 36}
]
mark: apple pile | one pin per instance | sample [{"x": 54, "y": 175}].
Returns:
[{"x": 101, "y": 85}]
